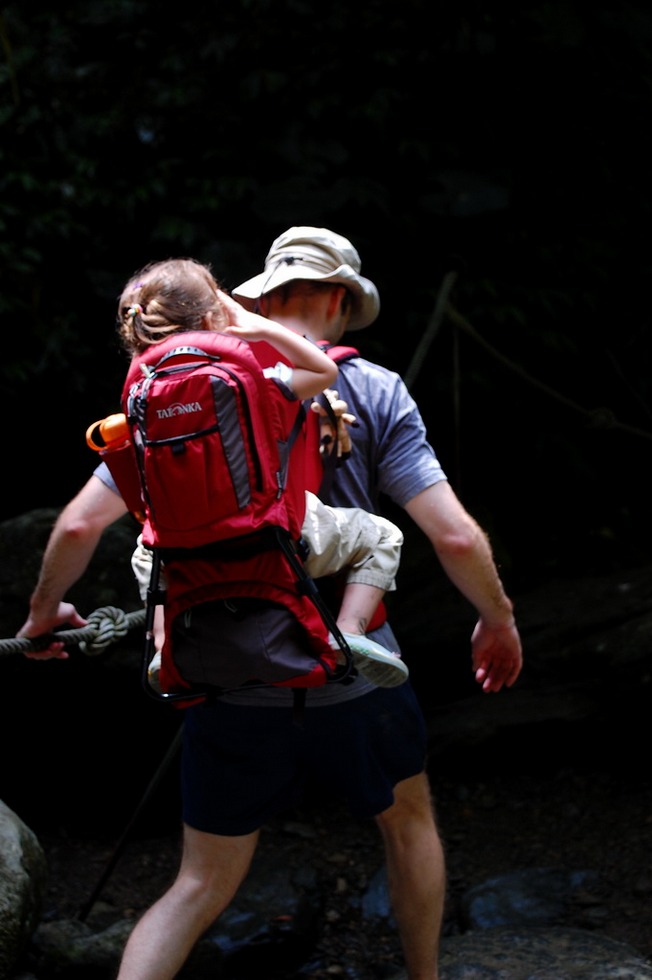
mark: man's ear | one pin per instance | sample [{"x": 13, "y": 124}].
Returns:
[{"x": 337, "y": 305}]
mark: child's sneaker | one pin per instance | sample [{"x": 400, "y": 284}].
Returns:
[{"x": 375, "y": 662}]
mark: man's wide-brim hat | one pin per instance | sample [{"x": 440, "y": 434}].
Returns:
[{"x": 320, "y": 255}]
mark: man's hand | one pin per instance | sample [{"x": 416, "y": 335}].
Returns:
[
  {"x": 497, "y": 655},
  {"x": 329, "y": 437},
  {"x": 66, "y": 615}
]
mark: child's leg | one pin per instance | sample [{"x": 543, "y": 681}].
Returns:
[
  {"x": 369, "y": 548},
  {"x": 359, "y": 603},
  {"x": 372, "y": 660}
]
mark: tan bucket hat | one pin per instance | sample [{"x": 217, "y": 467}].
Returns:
[{"x": 304, "y": 252}]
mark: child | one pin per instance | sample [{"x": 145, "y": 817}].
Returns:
[{"x": 179, "y": 295}]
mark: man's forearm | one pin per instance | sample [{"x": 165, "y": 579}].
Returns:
[
  {"x": 65, "y": 560},
  {"x": 475, "y": 575},
  {"x": 463, "y": 550},
  {"x": 72, "y": 543}
]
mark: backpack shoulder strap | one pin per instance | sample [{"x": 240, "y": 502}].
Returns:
[{"x": 338, "y": 353}]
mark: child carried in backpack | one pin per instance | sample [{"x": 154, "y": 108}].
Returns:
[
  {"x": 367, "y": 547},
  {"x": 181, "y": 295}
]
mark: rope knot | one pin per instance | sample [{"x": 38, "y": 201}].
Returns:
[{"x": 110, "y": 624}]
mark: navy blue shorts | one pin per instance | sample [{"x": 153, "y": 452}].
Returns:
[{"x": 243, "y": 765}]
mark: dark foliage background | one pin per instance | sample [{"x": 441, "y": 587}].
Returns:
[{"x": 504, "y": 149}]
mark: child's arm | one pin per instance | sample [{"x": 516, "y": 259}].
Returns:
[
  {"x": 158, "y": 628},
  {"x": 312, "y": 369},
  {"x": 141, "y": 564}
]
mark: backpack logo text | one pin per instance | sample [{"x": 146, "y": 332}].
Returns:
[{"x": 178, "y": 409}]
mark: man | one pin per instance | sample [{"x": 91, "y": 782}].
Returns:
[
  {"x": 312, "y": 283},
  {"x": 364, "y": 743}
]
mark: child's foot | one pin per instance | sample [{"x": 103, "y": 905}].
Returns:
[{"x": 375, "y": 662}]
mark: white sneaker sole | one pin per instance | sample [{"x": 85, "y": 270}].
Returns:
[{"x": 375, "y": 662}]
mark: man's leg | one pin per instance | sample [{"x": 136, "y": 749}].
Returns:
[
  {"x": 416, "y": 874},
  {"x": 211, "y": 871}
]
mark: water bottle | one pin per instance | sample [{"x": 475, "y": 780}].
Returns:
[{"x": 109, "y": 434}]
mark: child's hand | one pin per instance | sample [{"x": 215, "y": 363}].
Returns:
[
  {"x": 328, "y": 434},
  {"x": 243, "y": 323}
]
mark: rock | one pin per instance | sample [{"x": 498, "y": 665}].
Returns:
[
  {"x": 537, "y": 896},
  {"x": 71, "y": 948},
  {"x": 271, "y": 925},
  {"x": 539, "y": 954},
  {"x": 23, "y": 875}
]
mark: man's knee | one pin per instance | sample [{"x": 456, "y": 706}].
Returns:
[{"x": 412, "y": 805}]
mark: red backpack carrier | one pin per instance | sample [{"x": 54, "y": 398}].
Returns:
[{"x": 213, "y": 462}]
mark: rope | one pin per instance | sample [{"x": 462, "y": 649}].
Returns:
[
  {"x": 105, "y": 626},
  {"x": 431, "y": 331},
  {"x": 598, "y": 418}
]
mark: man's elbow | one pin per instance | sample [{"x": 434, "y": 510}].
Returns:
[
  {"x": 459, "y": 542},
  {"x": 77, "y": 528}
]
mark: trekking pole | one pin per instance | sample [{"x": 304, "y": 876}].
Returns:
[
  {"x": 154, "y": 596},
  {"x": 119, "y": 847}
]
